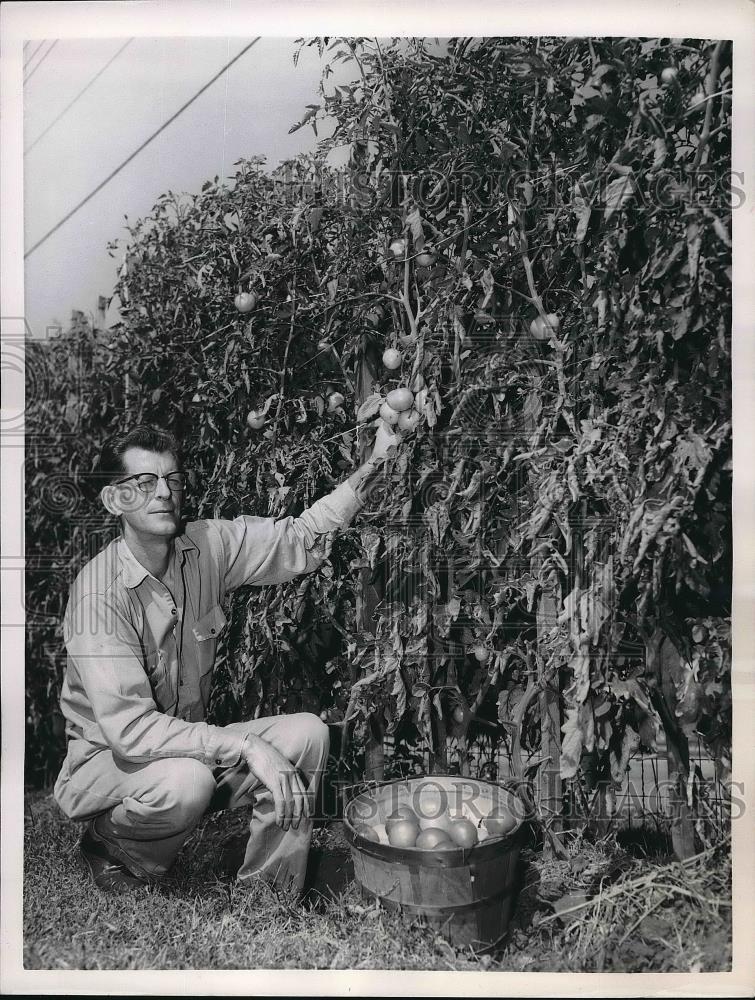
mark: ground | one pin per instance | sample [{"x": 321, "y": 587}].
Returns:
[{"x": 604, "y": 909}]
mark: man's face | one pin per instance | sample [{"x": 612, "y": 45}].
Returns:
[{"x": 156, "y": 513}]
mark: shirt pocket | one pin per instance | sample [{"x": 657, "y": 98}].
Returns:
[{"x": 206, "y": 631}]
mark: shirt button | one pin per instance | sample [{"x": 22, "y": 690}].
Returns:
[
  {"x": 212, "y": 631},
  {"x": 173, "y": 611}
]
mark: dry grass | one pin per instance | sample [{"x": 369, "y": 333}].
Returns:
[
  {"x": 641, "y": 916},
  {"x": 615, "y": 912}
]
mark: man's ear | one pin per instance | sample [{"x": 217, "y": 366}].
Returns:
[{"x": 107, "y": 496}]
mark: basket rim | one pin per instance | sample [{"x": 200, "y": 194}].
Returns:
[{"x": 492, "y": 847}]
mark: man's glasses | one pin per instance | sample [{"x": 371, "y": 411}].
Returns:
[{"x": 146, "y": 482}]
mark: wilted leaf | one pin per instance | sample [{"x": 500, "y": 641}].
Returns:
[
  {"x": 618, "y": 194},
  {"x": 571, "y": 744},
  {"x": 369, "y": 407}
]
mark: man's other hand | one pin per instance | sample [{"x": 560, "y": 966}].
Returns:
[{"x": 281, "y": 778}]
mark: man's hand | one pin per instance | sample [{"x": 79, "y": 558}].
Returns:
[
  {"x": 281, "y": 778},
  {"x": 386, "y": 442}
]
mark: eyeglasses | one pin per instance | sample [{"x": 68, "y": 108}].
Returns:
[{"x": 146, "y": 482}]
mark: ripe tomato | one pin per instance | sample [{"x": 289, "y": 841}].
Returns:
[
  {"x": 255, "y": 420},
  {"x": 669, "y": 74},
  {"x": 403, "y": 833},
  {"x": 389, "y": 415},
  {"x": 464, "y": 833},
  {"x": 481, "y": 654},
  {"x": 245, "y": 301},
  {"x": 392, "y": 358},
  {"x": 408, "y": 421},
  {"x": 425, "y": 259},
  {"x": 400, "y": 815},
  {"x": 382, "y": 833},
  {"x": 499, "y": 822},
  {"x": 400, "y": 399},
  {"x": 433, "y": 838}
]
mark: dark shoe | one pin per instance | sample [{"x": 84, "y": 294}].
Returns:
[{"x": 107, "y": 872}]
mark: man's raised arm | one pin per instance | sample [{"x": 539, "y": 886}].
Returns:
[{"x": 263, "y": 550}]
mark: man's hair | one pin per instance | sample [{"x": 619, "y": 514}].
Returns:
[{"x": 110, "y": 464}]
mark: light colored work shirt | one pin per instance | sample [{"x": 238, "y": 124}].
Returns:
[{"x": 140, "y": 651}]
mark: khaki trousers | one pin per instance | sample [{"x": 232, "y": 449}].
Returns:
[{"x": 148, "y": 810}]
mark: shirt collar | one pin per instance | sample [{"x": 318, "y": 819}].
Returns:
[{"x": 133, "y": 571}]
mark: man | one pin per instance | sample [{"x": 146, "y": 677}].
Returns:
[{"x": 141, "y": 628}]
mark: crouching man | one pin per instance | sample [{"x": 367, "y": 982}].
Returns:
[{"x": 141, "y": 629}]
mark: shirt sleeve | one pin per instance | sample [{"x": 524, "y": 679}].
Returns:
[
  {"x": 263, "y": 550},
  {"x": 107, "y": 654}
]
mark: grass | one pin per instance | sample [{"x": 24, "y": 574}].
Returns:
[{"x": 206, "y": 922}]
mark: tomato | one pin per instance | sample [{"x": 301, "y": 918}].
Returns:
[
  {"x": 408, "y": 421},
  {"x": 669, "y": 74},
  {"x": 245, "y": 301},
  {"x": 432, "y": 838},
  {"x": 392, "y": 358},
  {"x": 389, "y": 415},
  {"x": 458, "y": 714},
  {"x": 400, "y": 399},
  {"x": 335, "y": 400},
  {"x": 403, "y": 833},
  {"x": 481, "y": 654},
  {"x": 425, "y": 259},
  {"x": 382, "y": 833},
  {"x": 464, "y": 833},
  {"x": 398, "y": 248},
  {"x": 544, "y": 329},
  {"x": 367, "y": 833},
  {"x": 400, "y": 815},
  {"x": 499, "y": 822},
  {"x": 255, "y": 420}
]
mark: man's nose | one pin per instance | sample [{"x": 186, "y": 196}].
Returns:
[{"x": 162, "y": 490}]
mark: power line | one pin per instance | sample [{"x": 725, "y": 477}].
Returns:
[
  {"x": 26, "y": 64},
  {"x": 136, "y": 152},
  {"x": 33, "y": 71},
  {"x": 81, "y": 93}
]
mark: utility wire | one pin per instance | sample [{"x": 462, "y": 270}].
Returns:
[
  {"x": 68, "y": 106},
  {"x": 31, "y": 73},
  {"x": 26, "y": 64},
  {"x": 136, "y": 152}
]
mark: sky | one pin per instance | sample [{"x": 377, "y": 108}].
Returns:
[{"x": 247, "y": 111}]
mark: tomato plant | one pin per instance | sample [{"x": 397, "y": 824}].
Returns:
[{"x": 561, "y": 497}]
